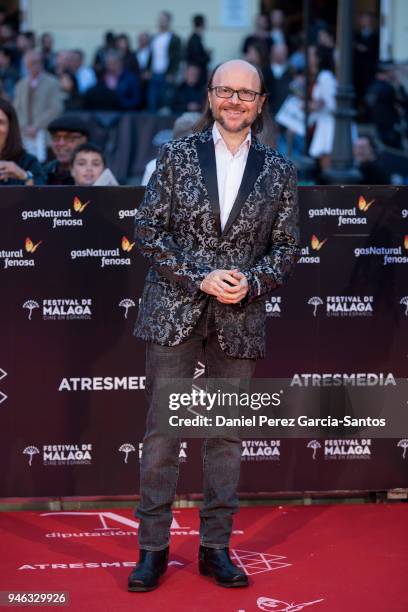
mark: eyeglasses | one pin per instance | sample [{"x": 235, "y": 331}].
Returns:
[
  {"x": 67, "y": 137},
  {"x": 245, "y": 95}
]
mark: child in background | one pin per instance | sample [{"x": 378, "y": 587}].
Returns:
[{"x": 88, "y": 166}]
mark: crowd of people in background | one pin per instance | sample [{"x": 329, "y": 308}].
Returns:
[{"x": 161, "y": 73}]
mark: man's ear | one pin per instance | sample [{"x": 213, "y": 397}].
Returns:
[{"x": 262, "y": 100}]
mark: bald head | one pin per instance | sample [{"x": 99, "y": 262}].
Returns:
[
  {"x": 242, "y": 73},
  {"x": 33, "y": 62}
]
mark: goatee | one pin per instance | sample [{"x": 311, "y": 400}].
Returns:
[{"x": 239, "y": 128}]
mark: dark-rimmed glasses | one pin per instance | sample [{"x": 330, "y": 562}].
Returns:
[
  {"x": 245, "y": 95},
  {"x": 69, "y": 137}
]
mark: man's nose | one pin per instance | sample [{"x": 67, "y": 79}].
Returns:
[{"x": 235, "y": 98}]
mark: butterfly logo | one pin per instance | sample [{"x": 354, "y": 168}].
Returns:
[
  {"x": 316, "y": 243},
  {"x": 126, "y": 245},
  {"x": 30, "y": 247},
  {"x": 78, "y": 206},
  {"x": 363, "y": 205}
]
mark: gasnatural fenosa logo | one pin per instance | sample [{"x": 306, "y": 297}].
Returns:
[
  {"x": 59, "y": 218},
  {"x": 108, "y": 257},
  {"x": 17, "y": 259},
  {"x": 344, "y": 216}
]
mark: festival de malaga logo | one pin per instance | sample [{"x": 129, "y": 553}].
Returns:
[
  {"x": 53, "y": 309},
  {"x": 343, "y": 305}
]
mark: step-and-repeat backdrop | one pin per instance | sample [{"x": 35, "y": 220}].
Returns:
[{"x": 72, "y": 400}]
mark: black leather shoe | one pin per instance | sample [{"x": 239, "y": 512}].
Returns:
[
  {"x": 152, "y": 565},
  {"x": 216, "y": 562}
]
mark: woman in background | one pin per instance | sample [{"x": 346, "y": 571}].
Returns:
[
  {"x": 323, "y": 104},
  {"x": 69, "y": 86},
  {"x": 17, "y": 167}
]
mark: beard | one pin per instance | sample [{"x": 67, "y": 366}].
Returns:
[{"x": 245, "y": 123}]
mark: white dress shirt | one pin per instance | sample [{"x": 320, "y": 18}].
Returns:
[
  {"x": 230, "y": 170},
  {"x": 160, "y": 52},
  {"x": 142, "y": 56},
  {"x": 86, "y": 78}
]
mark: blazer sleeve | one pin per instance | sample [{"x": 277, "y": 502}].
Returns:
[
  {"x": 274, "y": 268},
  {"x": 152, "y": 235},
  {"x": 175, "y": 52}
]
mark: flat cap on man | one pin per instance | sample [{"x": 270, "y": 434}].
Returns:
[{"x": 69, "y": 123}]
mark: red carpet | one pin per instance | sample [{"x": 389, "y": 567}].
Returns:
[{"x": 343, "y": 558}]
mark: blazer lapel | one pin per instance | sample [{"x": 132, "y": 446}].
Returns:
[
  {"x": 253, "y": 167},
  {"x": 206, "y": 158}
]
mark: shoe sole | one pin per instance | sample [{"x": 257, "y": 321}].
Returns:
[
  {"x": 143, "y": 589},
  {"x": 228, "y": 585}
]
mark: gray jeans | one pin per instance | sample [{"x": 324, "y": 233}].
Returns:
[{"x": 159, "y": 466}]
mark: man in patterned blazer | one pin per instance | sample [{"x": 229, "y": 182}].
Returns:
[{"x": 218, "y": 224}]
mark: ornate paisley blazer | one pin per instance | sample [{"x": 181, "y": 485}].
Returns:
[{"x": 177, "y": 228}]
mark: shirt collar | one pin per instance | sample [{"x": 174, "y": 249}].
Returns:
[{"x": 217, "y": 137}]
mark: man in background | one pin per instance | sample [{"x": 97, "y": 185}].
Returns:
[
  {"x": 85, "y": 75},
  {"x": 183, "y": 126},
  {"x": 190, "y": 94},
  {"x": 163, "y": 65},
  {"x": 38, "y": 100},
  {"x": 196, "y": 53},
  {"x": 67, "y": 133},
  {"x": 372, "y": 170}
]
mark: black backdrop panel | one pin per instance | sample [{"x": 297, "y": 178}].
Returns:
[{"x": 72, "y": 405}]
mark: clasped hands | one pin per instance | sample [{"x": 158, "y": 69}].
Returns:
[
  {"x": 10, "y": 170},
  {"x": 228, "y": 286}
]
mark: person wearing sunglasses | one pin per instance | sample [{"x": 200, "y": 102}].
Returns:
[{"x": 66, "y": 133}]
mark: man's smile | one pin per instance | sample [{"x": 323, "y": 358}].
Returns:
[{"x": 233, "y": 112}]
